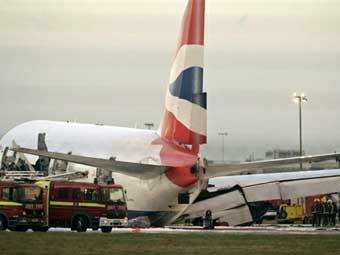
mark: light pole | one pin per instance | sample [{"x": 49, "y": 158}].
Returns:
[
  {"x": 223, "y": 134},
  {"x": 299, "y": 99}
]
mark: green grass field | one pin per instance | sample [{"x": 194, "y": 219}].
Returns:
[{"x": 200, "y": 243}]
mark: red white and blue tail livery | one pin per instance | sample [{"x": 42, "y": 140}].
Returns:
[{"x": 185, "y": 116}]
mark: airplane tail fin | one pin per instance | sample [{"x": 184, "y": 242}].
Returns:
[{"x": 185, "y": 117}]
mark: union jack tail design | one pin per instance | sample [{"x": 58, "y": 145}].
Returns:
[{"x": 185, "y": 116}]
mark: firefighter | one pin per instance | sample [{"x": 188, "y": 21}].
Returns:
[
  {"x": 208, "y": 220},
  {"x": 315, "y": 206},
  {"x": 319, "y": 210},
  {"x": 22, "y": 166},
  {"x": 324, "y": 211},
  {"x": 13, "y": 167},
  {"x": 328, "y": 208},
  {"x": 339, "y": 213},
  {"x": 333, "y": 212}
]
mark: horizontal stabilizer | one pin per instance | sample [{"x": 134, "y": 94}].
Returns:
[{"x": 214, "y": 169}]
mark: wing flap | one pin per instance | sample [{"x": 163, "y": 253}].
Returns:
[
  {"x": 230, "y": 207},
  {"x": 263, "y": 192},
  {"x": 235, "y": 217},
  {"x": 222, "y": 202}
]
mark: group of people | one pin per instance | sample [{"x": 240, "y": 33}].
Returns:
[{"x": 324, "y": 212}]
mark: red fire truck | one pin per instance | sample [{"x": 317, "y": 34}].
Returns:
[
  {"x": 79, "y": 205},
  {"x": 63, "y": 204},
  {"x": 21, "y": 206}
]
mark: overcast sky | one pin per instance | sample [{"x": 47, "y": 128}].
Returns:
[{"x": 108, "y": 62}]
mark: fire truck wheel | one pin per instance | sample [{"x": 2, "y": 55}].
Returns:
[
  {"x": 20, "y": 228},
  {"x": 80, "y": 224},
  {"x": 106, "y": 229},
  {"x": 40, "y": 229},
  {"x": 3, "y": 223}
]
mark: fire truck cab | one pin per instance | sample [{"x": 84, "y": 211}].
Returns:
[
  {"x": 80, "y": 205},
  {"x": 21, "y": 206}
]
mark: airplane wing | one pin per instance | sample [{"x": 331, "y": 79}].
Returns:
[
  {"x": 215, "y": 169},
  {"x": 134, "y": 169},
  {"x": 263, "y": 187},
  {"x": 231, "y": 197}
]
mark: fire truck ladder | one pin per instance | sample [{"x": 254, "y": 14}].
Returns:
[{"x": 17, "y": 166}]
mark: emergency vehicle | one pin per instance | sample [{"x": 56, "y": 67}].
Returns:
[
  {"x": 64, "y": 204},
  {"x": 80, "y": 205},
  {"x": 21, "y": 206},
  {"x": 295, "y": 210}
]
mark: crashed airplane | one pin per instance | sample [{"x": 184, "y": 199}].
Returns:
[{"x": 163, "y": 171}]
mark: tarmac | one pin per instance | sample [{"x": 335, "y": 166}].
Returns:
[{"x": 256, "y": 230}]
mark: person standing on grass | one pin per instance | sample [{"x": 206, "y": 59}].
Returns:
[
  {"x": 324, "y": 212},
  {"x": 319, "y": 212},
  {"x": 333, "y": 214},
  {"x": 315, "y": 213},
  {"x": 328, "y": 212}
]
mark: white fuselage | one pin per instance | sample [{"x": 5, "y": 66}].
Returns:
[{"x": 155, "y": 197}]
